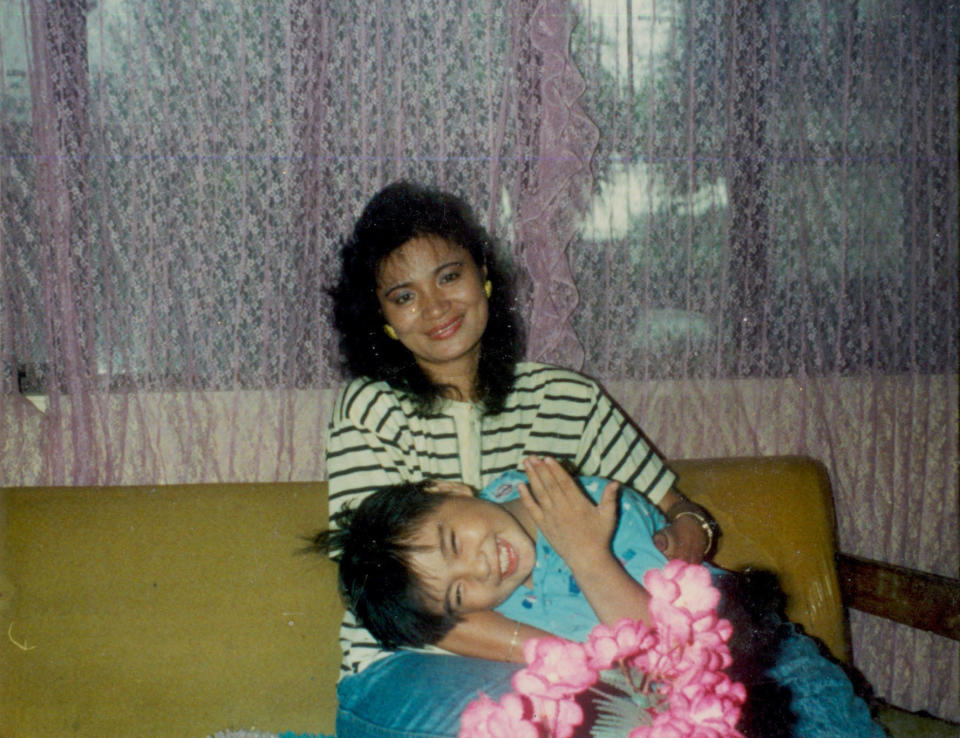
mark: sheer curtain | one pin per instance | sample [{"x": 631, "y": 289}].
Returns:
[
  {"x": 769, "y": 263},
  {"x": 740, "y": 216},
  {"x": 176, "y": 179}
]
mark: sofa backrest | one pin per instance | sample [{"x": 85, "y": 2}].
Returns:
[
  {"x": 776, "y": 513},
  {"x": 184, "y": 610}
]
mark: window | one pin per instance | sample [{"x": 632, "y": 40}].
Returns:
[
  {"x": 219, "y": 152},
  {"x": 771, "y": 200}
]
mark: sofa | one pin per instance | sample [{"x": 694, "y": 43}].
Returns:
[{"x": 182, "y": 611}]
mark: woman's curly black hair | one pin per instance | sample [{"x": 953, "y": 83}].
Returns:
[
  {"x": 378, "y": 583},
  {"x": 399, "y": 212}
]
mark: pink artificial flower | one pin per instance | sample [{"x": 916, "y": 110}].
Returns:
[
  {"x": 696, "y": 656},
  {"x": 683, "y": 585},
  {"x": 710, "y": 629},
  {"x": 707, "y": 708},
  {"x": 608, "y": 645},
  {"x": 485, "y": 718},
  {"x": 723, "y": 629},
  {"x": 683, "y": 604},
  {"x": 556, "y": 668},
  {"x": 711, "y": 700},
  {"x": 675, "y": 624},
  {"x": 683, "y": 652},
  {"x": 559, "y": 717}
]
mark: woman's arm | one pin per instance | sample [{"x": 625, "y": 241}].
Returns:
[
  {"x": 365, "y": 444},
  {"x": 489, "y": 635},
  {"x": 612, "y": 447}
]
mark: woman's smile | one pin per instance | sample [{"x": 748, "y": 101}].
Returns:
[{"x": 447, "y": 329}]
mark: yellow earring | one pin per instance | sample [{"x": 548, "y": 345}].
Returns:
[
  {"x": 388, "y": 329},
  {"x": 488, "y": 288}
]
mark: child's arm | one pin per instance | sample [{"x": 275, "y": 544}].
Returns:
[
  {"x": 489, "y": 635},
  {"x": 581, "y": 533}
]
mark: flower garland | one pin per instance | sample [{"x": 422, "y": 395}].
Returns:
[{"x": 679, "y": 661}]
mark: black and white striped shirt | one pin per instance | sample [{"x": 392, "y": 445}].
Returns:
[{"x": 377, "y": 439}]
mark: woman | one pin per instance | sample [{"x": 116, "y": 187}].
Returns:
[{"x": 428, "y": 330}]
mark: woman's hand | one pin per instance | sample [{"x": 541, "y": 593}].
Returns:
[
  {"x": 579, "y": 531},
  {"x": 684, "y": 538},
  {"x": 449, "y": 487}
]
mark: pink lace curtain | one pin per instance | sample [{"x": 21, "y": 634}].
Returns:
[
  {"x": 769, "y": 264},
  {"x": 740, "y": 215},
  {"x": 176, "y": 181}
]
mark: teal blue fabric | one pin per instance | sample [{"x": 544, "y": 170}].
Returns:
[
  {"x": 416, "y": 695},
  {"x": 823, "y": 701}
]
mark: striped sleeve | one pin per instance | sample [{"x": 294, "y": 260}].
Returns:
[
  {"x": 561, "y": 413},
  {"x": 366, "y": 444},
  {"x": 365, "y": 451},
  {"x": 612, "y": 447}
]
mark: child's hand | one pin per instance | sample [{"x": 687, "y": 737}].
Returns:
[
  {"x": 577, "y": 529},
  {"x": 581, "y": 533}
]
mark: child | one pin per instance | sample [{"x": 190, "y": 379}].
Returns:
[
  {"x": 416, "y": 558},
  {"x": 414, "y": 561}
]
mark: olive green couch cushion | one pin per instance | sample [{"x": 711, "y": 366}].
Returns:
[{"x": 165, "y": 611}]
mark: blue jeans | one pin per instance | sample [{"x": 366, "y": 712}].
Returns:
[
  {"x": 824, "y": 701},
  {"x": 416, "y": 695}
]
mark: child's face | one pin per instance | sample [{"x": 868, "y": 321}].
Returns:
[{"x": 471, "y": 554}]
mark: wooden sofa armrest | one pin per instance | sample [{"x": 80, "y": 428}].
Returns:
[{"x": 915, "y": 598}]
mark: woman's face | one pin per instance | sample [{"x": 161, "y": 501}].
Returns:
[{"x": 431, "y": 293}]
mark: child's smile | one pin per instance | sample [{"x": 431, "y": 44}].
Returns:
[{"x": 508, "y": 559}]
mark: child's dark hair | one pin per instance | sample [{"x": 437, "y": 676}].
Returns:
[
  {"x": 398, "y": 213},
  {"x": 371, "y": 544}
]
